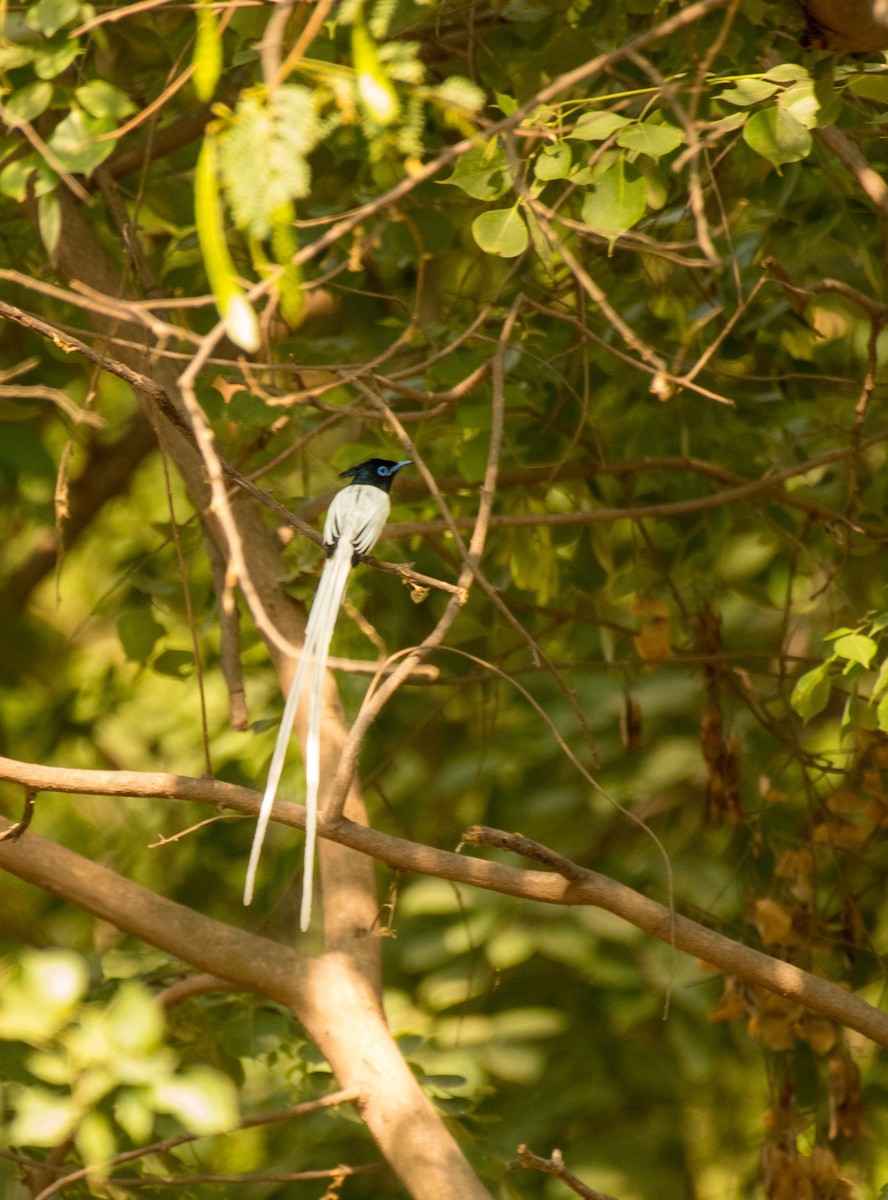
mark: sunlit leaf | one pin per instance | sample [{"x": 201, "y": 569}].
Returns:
[
  {"x": 481, "y": 172},
  {"x": 746, "y": 92},
  {"x": 49, "y": 215},
  {"x": 801, "y": 101},
  {"x": 207, "y": 59},
  {"x": 77, "y": 141},
  {"x": 135, "y": 1021},
  {"x": 644, "y": 137},
  {"x": 596, "y": 126},
  {"x": 374, "y": 85},
  {"x": 48, "y": 16},
  {"x": 28, "y": 102},
  {"x": 856, "y": 648},
  {"x": 553, "y": 162},
  {"x": 240, "y": 319},
  {"x": 262, "y": 155},
  {"x": 617, "y": 202},
  {"x": 204, "y": 1100},
  {"x": 101, "y": 99},
  {"x": 810, "y": 694},
  {"x": 502, "y": 232},
  {"x": 42, "y": 1118},
  {"x": 777, "y": 136},
  {"x": 95, "y": 1139}
]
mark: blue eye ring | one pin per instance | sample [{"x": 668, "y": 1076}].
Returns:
[{"x": 383, "y": 471}]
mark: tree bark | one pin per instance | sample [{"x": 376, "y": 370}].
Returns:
[
  {"x": 330, "y": 997},
  {"x": 338, "y": 995}
]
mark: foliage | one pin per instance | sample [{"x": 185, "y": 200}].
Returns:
[
  {"x": 674, "y": 254},
  {"x": 94, "y": 1067}
]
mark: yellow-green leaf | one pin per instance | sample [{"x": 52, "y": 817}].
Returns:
[
  {"x": 501, "y": 232},
  {"x": 207, "y": 61},
  {"x": 378, "y": 96},
  {"x": 811, "y": 692},
  {"x": 234, "y": 308}
]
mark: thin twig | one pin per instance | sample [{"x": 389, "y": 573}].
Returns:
[
  {"x": 14, "y": 832},
  {"x": 555, "y": 1166},
  {"x": 253, "y": 962},
  {"x": 163, "y": 1147}
]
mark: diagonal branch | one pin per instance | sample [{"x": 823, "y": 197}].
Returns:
[
  {"x": 356, "y": 1043},
  {"x": 235, "y": 955}
]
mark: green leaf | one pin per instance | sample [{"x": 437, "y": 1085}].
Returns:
[
  {"x": 75, "y": 141},
  {"x": 650, "y": 139},
  {"x": 747, "y": 92},
  {"x": 459, "y": 92},
  {"x": 533, "y": 567},
  {"x": 870, "y": 87},
  {"x": 234, "y": 308},
  {"x": 856, "y": 648},
  {"x": 138, "y": 632},
  {"x": 262, "y": 155},
  {"x": 203, "y": 1100},
  {"x": 53, "y": 58},
  {"x": 777, "y": 136},
  {"x": 553, "y": 162},
  {"x": 49, "y": 218},
  {"x": 16, "y": 178},
  {"x": 810, "y": 695},
  {"x": 481, "y": 173},
  {"x": 42, "y": 996},
  {"x": 540, "y": 242},
  {"x": 207, "y": 61},
  {"x": 378, "y": 96},
  {"x": 801, "y": 102},
  {"x": 101, "y": 99},
  {"x": 787, "y": 73},
  {"x": 617, "y": 202},
  {"x": 28, "y": 102},
  {"x": 727, "y": 124},
  {"x": 288, "y": 285},
  {"x": 95, "y": 1139},
  {"x": 882, "y": 714},
  {"x": 135, "y": 1022},
  {"x": 48, "y": 16},
  {"x": 12, "y": 56},
  {"x": 501, "y": 232},
  {"x": 596, "y": 126},
  {"x": 177, "y": 664},
  {"x": 42, "y": 1118},
  {"x": 834, "y": 634},
  {"x": 134, "y": 1114}
]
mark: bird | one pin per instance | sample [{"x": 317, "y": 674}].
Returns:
[{"x": 355, "y": 519}]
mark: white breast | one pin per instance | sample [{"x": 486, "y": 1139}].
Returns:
[{"x": 357, "y": 516}]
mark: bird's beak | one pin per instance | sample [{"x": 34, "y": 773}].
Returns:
[{"x": 405, "y": 462}]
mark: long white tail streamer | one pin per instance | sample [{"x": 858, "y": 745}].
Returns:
[
  {"x": 355, "y": 519},
  {"x": 312, "y": 664}
]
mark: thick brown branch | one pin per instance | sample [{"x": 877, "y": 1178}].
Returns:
[
  {"x": 587, "y": 888},
  {"x": 329, "y": 996}
]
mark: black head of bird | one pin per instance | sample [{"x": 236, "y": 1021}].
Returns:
[{"x": 378, "y": 472}]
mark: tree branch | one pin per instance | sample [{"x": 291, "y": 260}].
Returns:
[
  {"x": 585, "y": 887},
  {"x": 330, "y": 996}
]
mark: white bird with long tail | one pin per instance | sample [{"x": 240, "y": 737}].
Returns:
[{"x": 356, "y": 517}]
